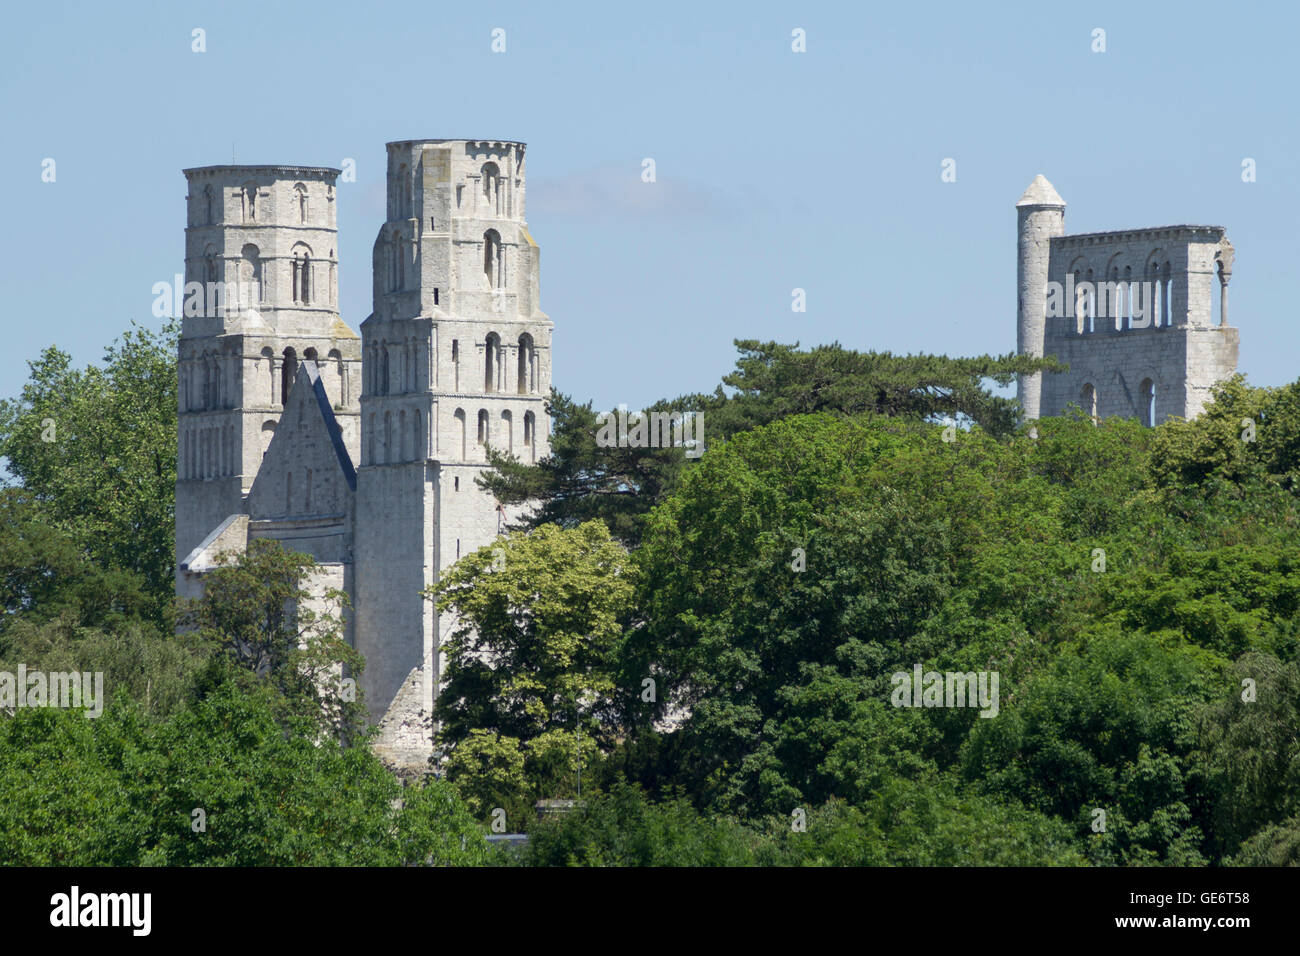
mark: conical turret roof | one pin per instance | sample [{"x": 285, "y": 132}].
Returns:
[{"x": 1041, "y": 193}]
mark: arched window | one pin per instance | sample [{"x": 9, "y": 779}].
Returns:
[
  {"x": 270, "y": 374},
  {"x": 334, "y": 281},
  {"x": 1081, "y": 304},
  {"x": 403, "y": 450},
  {"x": 460, "y": 425},
  {"x": 527, "y": 365},
  {"x": 300, "y": 196},
  {"x": 250, "y": 276},
  {"x": 248, "y": 196},
  {"x": 1114, "y": 305},
  {"x": 210, "y": 265},
  {"x": 491, "y": 349},
  {"x": 483, "y": 426},
  {"x": 301, "y": 266},
  {"x": 455, "y": 364},
  {"x": 492, "y": 188},
  {"x": 530, "y": 437},
  {"x": 1169, "y": 295},
  {"x": 207, "y": 204},
  {"x": 1155, "y": 292},
  {"x": 288, "y": 371},
  {"x": 508, "y": 431},
  {"x": 388, "y": 437},
  {"x": 1090, "y": 301},
  {"x": 1128, "y": 295},
  {"x": 1148, "y": 409},
  {"x": 1088, "y": 401},
  {"x": 383, "y": 370},
  {"x": 417, "y": 437},
  {"x": 493, "y": 263}
]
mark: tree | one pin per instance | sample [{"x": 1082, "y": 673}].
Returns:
[
  {"x": 96, "y": 450},
  {"x": 774, "y": 381},
  {"x": 257, "y": 609},
  {"x": 531, "y": 659},
  {"x": 219, "y": 783},
  {"x": 580, "y": 480}
]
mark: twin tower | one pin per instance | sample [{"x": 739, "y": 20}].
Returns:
[
  {"x": 1135, "y": 314},
  {"x": 362, "y": 452}
]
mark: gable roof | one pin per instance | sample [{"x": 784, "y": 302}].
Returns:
[{"x": 308, "y": 435}]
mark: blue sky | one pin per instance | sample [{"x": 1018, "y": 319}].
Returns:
[{"x": 775, "y": 170}]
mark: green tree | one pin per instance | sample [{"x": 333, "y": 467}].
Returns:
[
  {"x": 530, "y": 663},
  {"x": 96, "y": 449},
  {"x": 258, "y": 610}
]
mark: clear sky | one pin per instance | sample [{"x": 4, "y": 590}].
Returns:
[{"x": 775, "y": 169}]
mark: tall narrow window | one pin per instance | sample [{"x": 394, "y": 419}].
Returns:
[
  {"x": 250, "y": 276},
  {"x": 491, "y": 347},
  {"x": 302, "y": 274},
  {"x": 530, "y": 437},
  {"x": 526, "y": 378},
  {"x": 508, "y": 432},
  {"x": 1115, "y": 300},
  {"x": 207, "y": 203},
  {"x": 1128, "y": 294},
  {"x": 1088, "y": 402},
  {"x": 455, "y": 364},
  {"x": 1148, "y": 390},
  {"x": 483, "y": 426},
  {"x": 492, "y": 259},
  {"x": 492, "y": 189},
  {"x": 288, "y": 371},
  {"x": 300, "y": 195},
  {"x": 1169, "y": 294},
  {"x": 460, "y": 426}
]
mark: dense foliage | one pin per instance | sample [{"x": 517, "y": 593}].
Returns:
[{"x": 703, "y": 654}]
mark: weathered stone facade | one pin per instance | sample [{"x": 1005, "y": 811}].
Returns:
[
  {"x": 363, "y": 453},
  {"x": 1133, "y": 313}
]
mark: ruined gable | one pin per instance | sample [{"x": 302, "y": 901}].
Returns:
[{"x": 306, "y": 470}]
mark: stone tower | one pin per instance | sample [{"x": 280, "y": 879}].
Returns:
[
  {"x": 1040, "y": 217},
  {"x": 456, "y": 359},
  {"x": 1134, "y": 314},
  {"x": 260, "y": 295}
]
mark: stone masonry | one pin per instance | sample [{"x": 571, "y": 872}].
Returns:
[
  {"x": 1134, "y": 313},
  {"x": 362, "y": 451}
]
